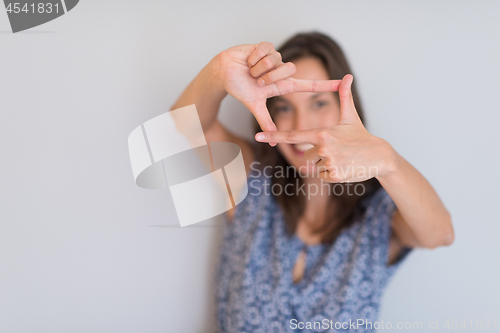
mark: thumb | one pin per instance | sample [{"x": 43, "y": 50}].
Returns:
[
  {"x": 348, "y": 113},
  {"x": 261, "y": 114}
]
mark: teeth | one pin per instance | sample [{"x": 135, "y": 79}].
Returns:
[{"x": 303, "y": 146}]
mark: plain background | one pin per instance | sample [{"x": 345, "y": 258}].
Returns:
[{"x": 79, "y": 250}]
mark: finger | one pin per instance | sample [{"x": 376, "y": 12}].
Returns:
[
  {"x": 282, "y": 72},
  {"x": 348, "y": 113},
  {"x": 291, "y": 85},
  {"x": 263, "y": 117},
  {"x": 261, "y": 114},
  {"x": 319, "y": 169},
  {"x": 292, "y": 136},
  {"x": 312, "y": 155},
  {"x": 266, "y": 64},
  {"x": 262, "y": 50},
  {"x": 325, "y": 164}
]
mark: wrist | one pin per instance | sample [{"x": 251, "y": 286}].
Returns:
[
  {"x": 389, "y": 161},
  {"x": 213, "y": 77}
]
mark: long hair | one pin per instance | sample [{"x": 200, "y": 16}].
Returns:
[{"x": 343, "y": 206}]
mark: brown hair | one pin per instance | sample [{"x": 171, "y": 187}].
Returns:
[{"x": 343, "y": 208}]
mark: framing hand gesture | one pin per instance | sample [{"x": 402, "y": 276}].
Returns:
[
  {"x": 252, "y": 73},
  {"x": 343, "y": 153}
]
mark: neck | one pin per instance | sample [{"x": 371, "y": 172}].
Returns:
[{"x": 317, "y": 201}]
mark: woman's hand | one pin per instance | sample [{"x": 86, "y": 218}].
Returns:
[
  {"x": 251, "y": 73},
  {"x": 345, "y": 152},
  {"x": 348, "y": 153}
]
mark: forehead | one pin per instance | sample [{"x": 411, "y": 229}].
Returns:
[{"x": 310, "y": 68}]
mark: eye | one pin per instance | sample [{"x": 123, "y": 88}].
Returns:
[
  {"x": 282, "y": 108},
  {"x": 320, "y": 104}
]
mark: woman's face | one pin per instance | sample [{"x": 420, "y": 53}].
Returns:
[{"x": 304, "y": 110}]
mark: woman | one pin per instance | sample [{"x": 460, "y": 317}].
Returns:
[{"x": 313, "y": 259}]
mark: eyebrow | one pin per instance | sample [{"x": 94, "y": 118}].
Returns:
[{"x": 312, "y": 97}]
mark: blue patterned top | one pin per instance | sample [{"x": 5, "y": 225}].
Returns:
[{"x": 341, "y": 283}]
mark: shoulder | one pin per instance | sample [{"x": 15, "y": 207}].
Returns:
[{"x": 257, "y": 188}]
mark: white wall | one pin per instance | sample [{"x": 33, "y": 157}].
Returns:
[{"x": 78, "y": 248}]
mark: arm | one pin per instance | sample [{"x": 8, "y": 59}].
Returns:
[
  {"x": 251, "y": 73},
  {"x": 206, "y": 92},
  {"x": 421, "y": 219}
]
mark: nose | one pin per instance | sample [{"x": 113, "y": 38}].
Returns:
[{"x": 301, "y": 120}]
